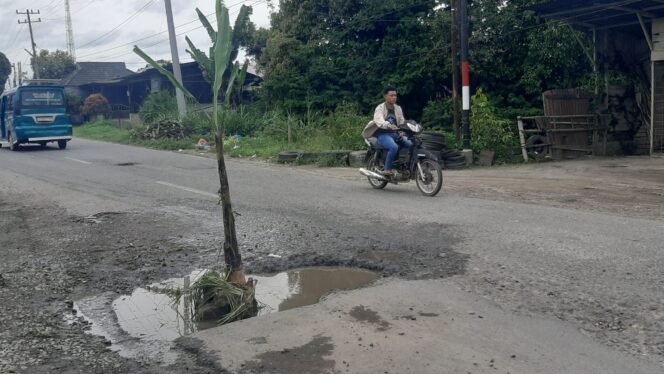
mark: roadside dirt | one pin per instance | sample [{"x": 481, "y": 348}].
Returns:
[
  {"x": 628, "y": 186},
  {"x": 51, "y": 259}
]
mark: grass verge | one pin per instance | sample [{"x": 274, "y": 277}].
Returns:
[
  {"x": 263, "y": 146},
  {"x": 109, "y": 132}
]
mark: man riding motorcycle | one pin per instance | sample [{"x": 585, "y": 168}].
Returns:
[{"x": 384, "y": 128}]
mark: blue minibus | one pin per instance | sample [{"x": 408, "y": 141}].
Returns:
[{"x": 34, "y": 114}]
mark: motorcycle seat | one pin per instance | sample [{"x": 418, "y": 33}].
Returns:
[{"x": 374, "y": 143}]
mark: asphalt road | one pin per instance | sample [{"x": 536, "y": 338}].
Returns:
[{"x": 600, "y": 274}]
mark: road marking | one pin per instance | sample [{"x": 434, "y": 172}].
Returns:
[
  {"x": 192, "y": 190},
  {"x": 77, "y": 160}
]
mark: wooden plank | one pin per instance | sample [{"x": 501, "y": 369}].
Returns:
[
  {"x": 574, "y": 130},
  {"x": 570, "y": 148}
]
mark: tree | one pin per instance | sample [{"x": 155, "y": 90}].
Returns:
[
  {"x": 5, "y": 71},
  {"x": 214, "y": 67},
  {"x": 54, "y": 65},
  {"x": 320, "y": 54}
]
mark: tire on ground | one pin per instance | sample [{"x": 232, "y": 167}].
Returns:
[
  {"x": 535, "y": 151},
  {"x": 287, "y": 156},
  {"x": 450, "y": 153},
  {"x": 455, "y": 159},
  {"x": 357, "y": 158}
]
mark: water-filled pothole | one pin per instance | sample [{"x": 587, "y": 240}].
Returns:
[{"x": 145, "y": 323}]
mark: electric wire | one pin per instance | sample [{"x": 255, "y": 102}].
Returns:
[{"x": 114, "y": 29}]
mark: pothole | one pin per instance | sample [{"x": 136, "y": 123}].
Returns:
[
  {"x": 145, "y": 323},
  {"x": 97, "y": 217},
  {"x": 614, "y": 166},
  {"x": 126, "y": 164}
]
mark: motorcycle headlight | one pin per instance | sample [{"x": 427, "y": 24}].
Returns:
[{"x": 414, "y": 126}]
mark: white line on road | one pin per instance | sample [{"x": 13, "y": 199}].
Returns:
[
  {"x": 77, "y": 160},
  {"x": 192, "y": 190}
]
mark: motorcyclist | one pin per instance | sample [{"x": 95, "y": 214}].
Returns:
[{"x": 385, "y": 120}]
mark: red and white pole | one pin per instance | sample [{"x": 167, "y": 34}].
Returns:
[{"x": 465, "y": 74}]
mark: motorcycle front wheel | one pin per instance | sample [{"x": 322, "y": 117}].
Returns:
[
  {"x": 429, "y": 177},
  {"x": 373, "y": 165}
]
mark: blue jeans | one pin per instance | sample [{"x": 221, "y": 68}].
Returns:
[{"x": 389, "y": 139}]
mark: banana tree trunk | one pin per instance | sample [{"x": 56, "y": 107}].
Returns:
[{"x": 232, "y": 255}]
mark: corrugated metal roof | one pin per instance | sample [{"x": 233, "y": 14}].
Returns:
[
  {"x": 88, "y": 72},
  {"x": 600, "y": 14}
]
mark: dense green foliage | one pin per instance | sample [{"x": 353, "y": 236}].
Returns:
[
  {"x": 5, "y": 71},
  {"x": 157, "y": 106},
  {"x": 54, "y": 65},
  {"x": 490, "y": 131},
  {"x": 326, "y": 62},
  {"x": 322, "y": 54}
]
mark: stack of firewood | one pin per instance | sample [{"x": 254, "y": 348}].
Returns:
[{"x": 164, "y": 129}]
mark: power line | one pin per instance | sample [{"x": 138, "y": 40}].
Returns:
[
  {"x": 127, "y": 20},
  {"x": 11, "y": 40},
  {"x": 52, "y": 5},
  {"x": 132, "y": 43},
  {"x": 163, "y": 32}
]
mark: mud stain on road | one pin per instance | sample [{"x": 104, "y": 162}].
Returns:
[
  {"x": 364, "y": 314},
  {"x": 295, "y": 360}
]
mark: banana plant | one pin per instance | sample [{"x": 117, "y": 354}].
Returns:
[{"x": 214, "y": 68}]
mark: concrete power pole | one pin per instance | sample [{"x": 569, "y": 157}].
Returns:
[
  {"x": 15, "y": 72},
  {"x": 465, "y": 80},
  {"x": 455, "y": 69},
  {"x": 179, "y": 95},
  {"x": 28, "y": 13},
  {"x": 20, "y": 75},
  {"x": 70, "y": 32}
]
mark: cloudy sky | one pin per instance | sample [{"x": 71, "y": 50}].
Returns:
[{"x": 106, "y": 30}]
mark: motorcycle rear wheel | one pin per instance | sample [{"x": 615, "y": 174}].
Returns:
[
  {"x": 374, "y": 166},
  {"x": 432, "y": 181}
]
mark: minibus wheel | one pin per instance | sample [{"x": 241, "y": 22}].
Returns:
[
  {"x": 13, "y": 143},
  {"x": 62, "y": 144}
]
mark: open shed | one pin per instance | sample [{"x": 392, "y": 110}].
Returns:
[{"x": 628, "y": 37}]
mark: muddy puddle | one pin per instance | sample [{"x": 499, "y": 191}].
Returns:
[{"x": 145, "y": 323}]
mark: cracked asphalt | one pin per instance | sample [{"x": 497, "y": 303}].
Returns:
[{"x": 101, "y": 218}]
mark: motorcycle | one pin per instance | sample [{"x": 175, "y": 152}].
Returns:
[{"x": 419, "y": 164}]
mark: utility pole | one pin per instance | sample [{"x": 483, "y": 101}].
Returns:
[
  {"x": 20, "y": 75},
  {"x": 14, "y": 69},
  {"x": 179, "y": 95},
  {"x": 456, "y": 110},
  {"x": 465, "y": 80},
  {"x": 28, "y": 13},
  {"x": 70, "y": 32}
]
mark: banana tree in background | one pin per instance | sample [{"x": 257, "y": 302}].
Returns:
[{"x": 214, "y": 66}]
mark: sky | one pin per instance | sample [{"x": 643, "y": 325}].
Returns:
[{"x": 107, "y": 30}]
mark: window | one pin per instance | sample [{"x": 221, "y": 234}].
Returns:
[{"x": 42, "y": 98}]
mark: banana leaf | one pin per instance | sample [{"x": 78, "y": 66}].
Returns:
[
  {"x": 204, "y": 62},
  {"x": 222, "y": 52},
  {"x": 165, "y": 72},
  {"x": 207, "y": 25},
  {"x": 231, "y": 85}
]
